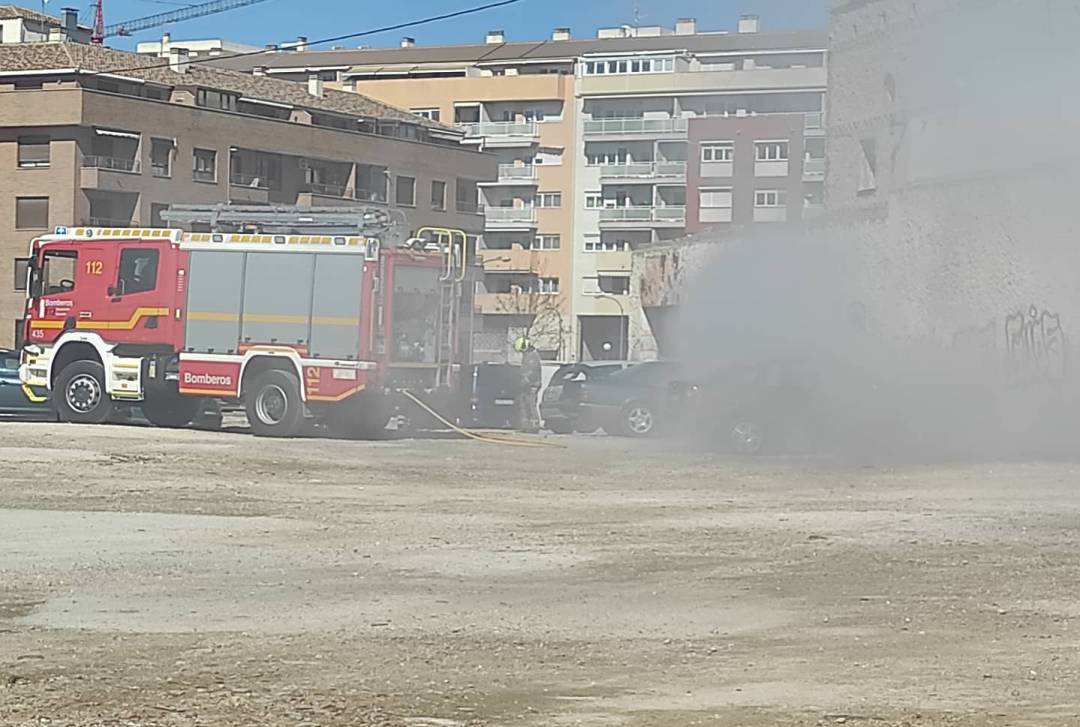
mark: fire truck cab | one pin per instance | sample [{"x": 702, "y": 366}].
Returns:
[{"x": 295, "y": 327}]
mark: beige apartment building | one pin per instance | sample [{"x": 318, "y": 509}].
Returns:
[
  {"x": 606, "y": 145},
  {"x": 94, "y": 136}
]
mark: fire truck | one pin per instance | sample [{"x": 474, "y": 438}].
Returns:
[{"x": 293, "y": 327}]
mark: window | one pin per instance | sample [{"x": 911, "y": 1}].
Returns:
[
  {"x": 58, "y": 271},
  {"x": 714, "y": 198},
  {"x": 534, "y": 115},
  {"x": 770, "y": 198},
  {"x": 438, "y": 195},
  {"x": 771, "y": 151},
  {"x": 215, "y": 99},
  {"x": 156, "y": 208},
  {"x": 22, "y": 266},
  {"x": 614, "y": 284},
  {"x": 617, "y": 156},
  {"x": 371, "y": 181},
  {"x": 465, "y": 195},
  {"x": 138, "y": 271},
  {"x": 33, "y": 152},
  {"x": 605, "y": 245},
  {"x": 405, "y": 191},
  {"x": 547, "y": 242},
  {"x": 549, "y": 199},
  {"x": 204, "y": 165},
  {"x": 548, "y": 286},
  {"x": 594, "y": 200},
  {"x": 429, "y": 114},
  {"x": 161, "y": 151},
  {"x": 31, "y": 213},
  {"x": 717, "y": 151},
  {"x": 645, "y": 65}
]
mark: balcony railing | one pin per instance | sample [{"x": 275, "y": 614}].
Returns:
[
  {"x": 814, "y": 121},
  {"x": 613, "y": 127},
  {"x": 813, "y": 167},
  {"x": 643, "y": 214},
  {"x": 643, "y": 170},
  {"x": 115, "y": 164},
  {"x": 328, "y": 190},
  {"x": 511, "y": 172},
  {"x": 499, "y": 128},
  {"x": 248, "y": 180},
  {"x": 509, "y": 214},
  {"x": 108, "y": 221}
]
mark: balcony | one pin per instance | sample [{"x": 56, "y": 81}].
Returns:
[
  {"x": 642, "y": 217},
  {"x": 108, "y": 221},
  {"x": 638, "y": 172},
  {"x": 711, "y": 81},
  {"x": 110, "y": 174},
  {"x": 509, "y": 218},
  {"x": 813, "y": 170},
  {"x": 318, "y": 194},
  {"x": 514, "y": 260},
  {"x": 512, "y": 174},
  {"x": 502, "y": 133},
  {"x": 247, "y": 189},
  {"x": 612, "y": 129}
]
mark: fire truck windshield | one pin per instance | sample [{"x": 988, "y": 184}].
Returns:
[{"x": 57, "y": 274}]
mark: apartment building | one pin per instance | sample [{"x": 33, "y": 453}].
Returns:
[
  {"x": 95, "y": 136},
  {"x": 22, "y": 25},
  {"x": 606, "y": 145}
]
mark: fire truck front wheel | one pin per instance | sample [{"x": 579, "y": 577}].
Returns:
[
  {"x": 80, "y": 393},
  {"x": 273, "y": 404}
]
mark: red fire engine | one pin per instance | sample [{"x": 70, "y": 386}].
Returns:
[{"x": 296, "y": 327}]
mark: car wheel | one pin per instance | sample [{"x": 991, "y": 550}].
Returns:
[
  {"x": 637, "y": 420},
  {"x": 747, "y": 437},
  {"x": 273, "y": 404},
  {"x": 80, "y": 393},
  {"x": 560, "y": 426}
]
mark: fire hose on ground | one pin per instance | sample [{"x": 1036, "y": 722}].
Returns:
[{"x": 486, "y": 438}]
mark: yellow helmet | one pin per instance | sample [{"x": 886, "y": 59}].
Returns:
[{"x": 521, "y": 344}]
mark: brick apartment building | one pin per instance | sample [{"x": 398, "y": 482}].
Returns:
[
  {"x": 602, "y": 144},
  {"x": 95, "y": 136}
]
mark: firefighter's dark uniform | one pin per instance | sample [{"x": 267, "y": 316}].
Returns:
[{"x": 531, "y": 372}]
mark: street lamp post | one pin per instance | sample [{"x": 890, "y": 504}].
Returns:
[{"x": 623, "y": 354}]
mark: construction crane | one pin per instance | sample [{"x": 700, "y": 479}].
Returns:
[{"x": 102, "y": 31}]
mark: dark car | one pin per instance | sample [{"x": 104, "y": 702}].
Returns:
[
  {"x": 789, "y": 406},
  {"x": 560, "y": 407},
  {"x": 635, "y": 402},
  {"x": 17, "y": 400}
]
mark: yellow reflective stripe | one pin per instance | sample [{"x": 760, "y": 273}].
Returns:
[{"x": 34, "y": 398}]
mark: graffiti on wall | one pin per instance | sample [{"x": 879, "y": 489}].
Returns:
[
  {"x": 1031, "y": 344},
  {"x": 1035, "y": 346}
]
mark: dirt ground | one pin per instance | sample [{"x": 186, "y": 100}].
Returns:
[{"x": 152, "y": 577}]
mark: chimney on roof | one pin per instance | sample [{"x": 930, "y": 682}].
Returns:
[
  {"x": 301, "y": 43},
  {"x": 258, "y": 71},
  {"x": 179, "y": 60},
  {"x": 749, "y": 24},
  {"x": 71, "y": 21},
  {"x": 561, "y": 34},
  {"x": 408, "y": 42},
  {"x": 686, "y": 26},
  {"x": 495, "y": 36},
  {"x": 315, "y": 86}
]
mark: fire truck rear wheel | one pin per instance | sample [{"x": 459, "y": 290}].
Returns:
[
  {"x": 273, "y": 404},
  {"x": 80, "y": 393},
  {"x": 171, "y": 410}
]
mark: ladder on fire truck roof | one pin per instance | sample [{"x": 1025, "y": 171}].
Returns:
[{"x": 388, "y": 225}]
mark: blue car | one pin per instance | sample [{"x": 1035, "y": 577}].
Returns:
[{"x": 18, "y": 401}]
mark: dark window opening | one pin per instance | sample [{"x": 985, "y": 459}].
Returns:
[{"x": 138, "y": 271}]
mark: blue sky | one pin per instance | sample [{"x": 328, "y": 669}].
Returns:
[{"x": 280, "y": 20}]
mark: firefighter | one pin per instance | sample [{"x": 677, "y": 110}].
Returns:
[{"x": 530, "y": 385}]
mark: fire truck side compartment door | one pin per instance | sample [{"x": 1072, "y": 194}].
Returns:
[
  {"x": 336, "y": 306},
  {"x": 277, "y": 298},
  {"x": 214, "y": 287}
]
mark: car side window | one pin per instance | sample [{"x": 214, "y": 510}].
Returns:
[
  {"x": 9, "y": 364},
  {"x": 138, "y": 270}
]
